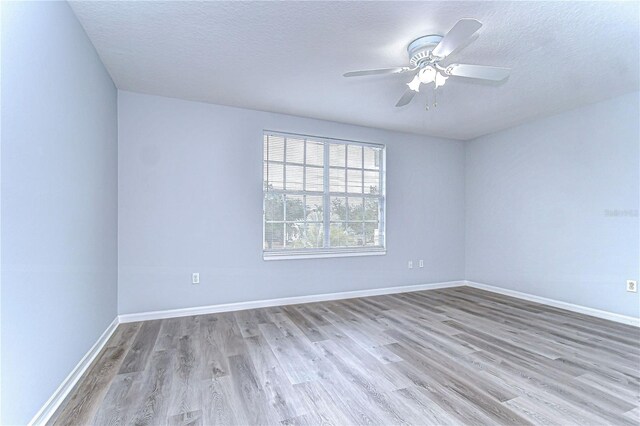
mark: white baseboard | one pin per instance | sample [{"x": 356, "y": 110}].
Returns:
[
  {"x": 240, "y": 306},
  {"x": 50, "y": 407},
  {"x": 67, "y": 385},
  {"x": 624, "y": 319}
]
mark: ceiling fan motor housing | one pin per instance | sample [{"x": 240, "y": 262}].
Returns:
[{"x": 420, "y": 49}]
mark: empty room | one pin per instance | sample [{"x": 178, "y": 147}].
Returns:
[{"x": 320, "y": 213}]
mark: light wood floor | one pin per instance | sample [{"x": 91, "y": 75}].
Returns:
[{"x": 452, "y": 356}]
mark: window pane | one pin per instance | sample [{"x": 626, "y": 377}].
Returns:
[
  {"x": 315, "y": 153},
  {"x": 337, "y": 180},
  {"x": 371, "y": 158},
  {"x": 294, "y": 235},
  {"x": 275, "y": 151},
  {"x": 345, "y": 235},
  {"x": 295, "y": 150},
  {"x": 371, "y": 234},
  {"x": 338, "y": 209},
  {"x": 295, "y": 208},
  {"x": 355, "y": 231},
  {"x": 313, "y": 235},
  {"x": 354, "y": 181},
  {"x": 371, "y": 182},
  {"x": 265, "y": 147},
  {"x": 273, "y": 207},
  {"x": 313, "y": 208},
  {"x": 273, "y": 235},
  {"x": 356, "y": 208},
  {"x": 315, "y": 179},
  {"x": 274, "y": 175},
  {"x": 336, "y": 155},
  {"x": 371, "y": 209},
  {"x": 294, "y": 178},
  {"x": 354, "y": 156},
  {"x": 265, "y": 167},
  {"x": 337, "y": 235}
]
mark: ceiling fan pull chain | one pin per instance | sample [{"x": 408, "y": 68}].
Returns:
[
  {"x": 426, "y": 93},
  {"x": 435, "y": 97}
]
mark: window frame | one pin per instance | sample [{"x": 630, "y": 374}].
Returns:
[{"x": 327, "y": 252}]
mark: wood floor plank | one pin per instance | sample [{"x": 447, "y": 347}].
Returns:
[
  {"x": 83, "y": 404},
  {"x": 116, "y": 405},
  {"x": 583, "y": 397},
  {"x": 428, "y": 413},
  {"x": 446, "y": 376},
  {"x": 313, "y": 314},
  {"x": 141, "y": 348},
  {"x": 373, "y": 362},
  {"x": 124, "y": 334},
  {"x": 152, "y": 397},
  {"x": 532, "y": 412},
  {"x": 213, "y": 363},
  {"x": 296, "y": 365},
  {"x": 441, "y": 361},
  {"x": 362, "y": 349},
  {"x": 248, "y": 321},
  {"x": 367, "y": 385},
  {"x": 318, "y": 405},
  {"x": 220, "y": 402},
  {"x": 168, "y": 334},
  {"x": 484, "y": 340},
  {"x": 226, "y": 333},
  {"x": 629, "y": 393},
  {"x": 440, "y": 357},
  {"x": 432, "y": 337},
  {"x": 185, "y": 395},
  {"x": 191, "y": 418},
  {"x": 309, "y": 329},
  {"x": 351, "y": 404},
  {"x": 634, "y": 414},
  {"x": 521, "y": 386},
  {"x": 249, "y": 392},
  {"x": 350, "y": 365},
  {"x": 278, "y": 390},
  {"x": 453, "y": 404}
]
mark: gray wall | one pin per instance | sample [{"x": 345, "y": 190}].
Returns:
[
  {"x": 59, "y": 195},
  {"x": 190, "y": 200},
  {"x": 552, "y": 206}
]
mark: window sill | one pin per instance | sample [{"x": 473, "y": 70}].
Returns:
[{"x": 293, "y": 256}]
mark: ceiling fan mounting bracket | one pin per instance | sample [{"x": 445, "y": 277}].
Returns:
[{"x": 419, "y": 50}]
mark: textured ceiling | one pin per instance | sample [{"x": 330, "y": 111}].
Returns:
[{"x": 289, "y": 57}]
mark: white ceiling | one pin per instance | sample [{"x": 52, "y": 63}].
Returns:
[{"x": 289, "y": 57}]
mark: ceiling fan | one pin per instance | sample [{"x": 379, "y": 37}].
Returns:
[{"x": 425, "y": 55}]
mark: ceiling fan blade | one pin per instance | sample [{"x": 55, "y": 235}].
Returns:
[
  {"x": 406, "y": 97},
  {"x": 461, "y": 31},
  {"x": 395, "y": 70},
  {"x": 478, "y": 71}
]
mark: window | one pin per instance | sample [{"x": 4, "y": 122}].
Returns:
[{"x": 322, "y": 197}]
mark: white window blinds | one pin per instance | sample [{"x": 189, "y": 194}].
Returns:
[{"x": 322, "y": 196}]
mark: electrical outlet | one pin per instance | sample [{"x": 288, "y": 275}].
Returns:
[
  {"x": 632, "y": 286},
  {"x": 195, "y": 278},
  {"x": 410, "y": 264},
  {"x": 421, "y": 263}
]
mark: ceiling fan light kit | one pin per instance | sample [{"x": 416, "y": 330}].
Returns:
[{"x": 425, "y": 55}]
